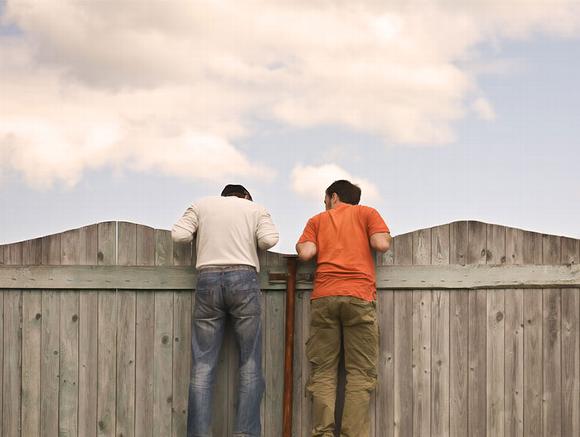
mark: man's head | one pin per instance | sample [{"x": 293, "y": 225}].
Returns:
[
  {"x": 342, "y": 191},
  {"x": 237, "y": 191}
]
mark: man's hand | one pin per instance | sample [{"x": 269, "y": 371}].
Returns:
[
  {"x": 306, "y": 251},
  {"x": 381, "y": 241}
]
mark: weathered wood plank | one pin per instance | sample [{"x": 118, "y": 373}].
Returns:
[
  {"x": 514, "y": 342},
  {"x": 384, "y": 404},
  {"x": 552, "y": 363},
  {"x": 458, "y": 243},
  {"x": 458, "y": 362},
  {"x": 307, "y": 398},
  {"x": 395, "y": 277},
  {"x": 163, "y": 340},
  {"x": 570, "y": 346},
  {"x": 570, "y": 362},
  {"x": 495, "y": 363},
  {"x": 421, "y": 350},
  {"x": 458, "y": 336},
  {"x": 31, "y": 346},
  {"x": 126, "y": 304},
  {"x": 533, "y": 369},
  {"x": 403, "y": 341},
  {"x": 477, "y": 384},
  {"x": 182, "y": 305},
  {"x": 298, "y": 391},
  {"x": 440, "y": 383},
  {"x": 533, "y": 342},
  {"x": 107, "y": 338},
  {"x": 144, "y": 363},
  {"x": 274, "y": 370},
  {"x": 495, "y": 254},
  {"x": 12, "y": 345},
  {"x": 50, "y": 342},
  {"x": 88, "y": 331},
  {"x": 514, "y": 246},
  {"x": 69, "y": 341}
]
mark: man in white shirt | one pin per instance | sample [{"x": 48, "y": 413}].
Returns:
[{"x": 229, "y": 229}]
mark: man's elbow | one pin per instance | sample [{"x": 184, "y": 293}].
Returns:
[
  {"x": 381, "y": 243},
  {"x": 268, "y": 241},
  {"x": 305, "y": 252},
  {"x": 181, "y": 236},
  {"x": 383, "y": 246}
]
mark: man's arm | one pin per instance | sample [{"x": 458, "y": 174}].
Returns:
[
  {"x": 266, "y": 233},
  {"x": 381, "y": 241},
  {"x": 183, "y": 230},
  {"x": 306, "y": 251}
]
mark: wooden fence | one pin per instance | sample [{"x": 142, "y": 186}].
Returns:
[{"x": 479, "y": 335}]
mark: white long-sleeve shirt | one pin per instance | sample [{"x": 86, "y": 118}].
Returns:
[{"x": 229, "y": 231}]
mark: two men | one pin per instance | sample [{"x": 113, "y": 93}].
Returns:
[
  {"x": 229, "y": 230},
  {"x": 343, "y": 307}
]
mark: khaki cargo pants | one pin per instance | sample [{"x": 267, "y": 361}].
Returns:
[{"x": 356, "y": 320}]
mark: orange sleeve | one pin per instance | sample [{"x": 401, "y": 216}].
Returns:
[
  {"x": 310, "y": 232},
  {"x": 375, "y": 223}
]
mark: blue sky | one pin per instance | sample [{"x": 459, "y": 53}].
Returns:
[{"x": 487, "y": 130}]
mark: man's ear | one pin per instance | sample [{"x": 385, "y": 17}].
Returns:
[{"x": 335, "y": 198}]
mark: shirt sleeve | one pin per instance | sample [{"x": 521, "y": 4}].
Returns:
[
  {"x": 310, "y": 232},
  {"x": 375, "y": 223},
  {"x": 186, "y": 226},
  {"x": 266, "y": 232}
]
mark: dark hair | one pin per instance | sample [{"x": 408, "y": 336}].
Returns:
[
  {"x": 236, "y": 190},
  {"x": 346, "y": 191}
]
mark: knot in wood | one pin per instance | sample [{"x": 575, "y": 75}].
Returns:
[{"x": 499, "y": 316}]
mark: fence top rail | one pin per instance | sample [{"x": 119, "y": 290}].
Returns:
[{"x": 274, "y": 278}]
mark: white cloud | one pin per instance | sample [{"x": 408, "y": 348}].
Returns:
[
  {"x": 311, "y": 181},
  {"x": 89, "y": 84}
]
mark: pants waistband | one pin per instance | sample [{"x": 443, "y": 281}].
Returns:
[{"x": 228, "y": 268}]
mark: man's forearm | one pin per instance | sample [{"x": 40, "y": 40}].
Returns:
[{"x": 306, "y": 251}]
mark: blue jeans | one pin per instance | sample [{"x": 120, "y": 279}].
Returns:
[{"x": 237, "y": 293}]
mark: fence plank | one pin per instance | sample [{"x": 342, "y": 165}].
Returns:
[
  {"x": 385, "y": 388},
  {"x": 297, "y": 393},
  {"x": 440, "y": 334},
  {"x": 274, "y": 370},
  {"x": 163, "y": 342},
  {"x": 50, "y": 339},
  {"x": 12, "y": 345},
  {"x": 570, "y": 346},
  {"x": 69, "y": 341},
  {"x": 533, "y": 342},
  {"x": 403, "y": 370},
  {"x": 421, "y": 350},
  {"x": 126, "y": 304},
  {"x": 495, "y": 255},
  {"x": 31, "y": 332},
  {"x": 181, "y": 352},
  {"x": 307, "y": 398},
  {"x": 477, "y": 401},
  {"x": 458, "y": 335},
  {"x": 495, "y": 363},
  {"x": 552, "y": 363},
  {"x": 514, "y": 342},
  {"x": 88, "y": 331},
  {"x": 107, "y": 339}
]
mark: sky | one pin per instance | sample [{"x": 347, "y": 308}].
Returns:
[{"x": 439, "y": 110}]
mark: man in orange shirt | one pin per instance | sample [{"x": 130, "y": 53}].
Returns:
[{"x": 343, "y": 304}]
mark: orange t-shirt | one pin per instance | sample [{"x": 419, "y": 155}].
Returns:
[{"x": 345, "y": 265}]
